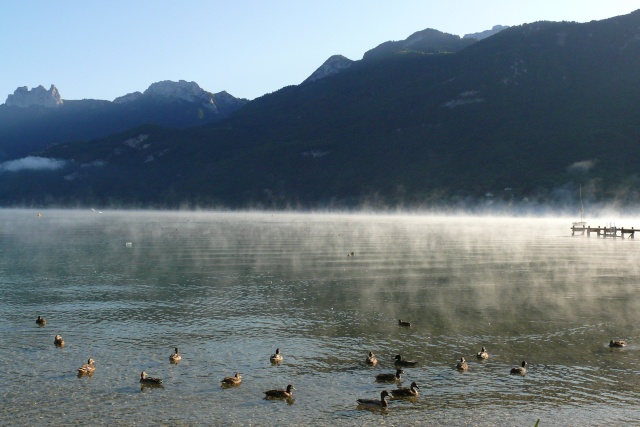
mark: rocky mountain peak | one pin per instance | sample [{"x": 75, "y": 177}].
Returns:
[
  {"x": 221, "y": 102},
  {"x": 130, "y": 97},
  {"x": 427, "y": 41},
  {"x": 333, "y": 65},
  {"x": 484, "y": 34},
  {"x": 23, "y": 97},
  {"x": 182, "y": 89}
]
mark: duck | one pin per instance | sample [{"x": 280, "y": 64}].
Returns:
[
  {"x": 58, "y": 341},
  {"x": 87, "y": 369},
  {"x": 462, "y": 364},
  {"x": 280, "y": 394},
  {"x": 371, "y": 359},
  {"x": 175, "y": 357},
  {"x": 375, "y": 403},
  {"x": 405, "y": 324},
  {"x": 406, "y": 391},
  {"x": 146, "y": 380},
  {"x": 389, "y": 377},
  {"x": 522, "y": 370},
  {"x": 234, "y": 380},
  {"x": 276, "y": 357},
  {"x": 618, "y": 343},
  {"x": 482, "y": 354},
  {"x": 400, "y": 362},
  {"x": 41, "y": 321},
  {"x": 350, "y": 254}
]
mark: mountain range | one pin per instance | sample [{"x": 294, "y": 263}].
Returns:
[
  {"x": 523, "y": 116},
  {"x": 31, "y": 120}
]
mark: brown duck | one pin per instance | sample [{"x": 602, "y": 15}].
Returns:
[
  {"x": 462, "y": 364},
  {"x": 276, "y": 357},
  {"x": 482, "y": 354},
  {"x": 389, "y": 377},
  {"x": 520, "y": 370},
  {"x": 147, "y": 380},
  {"x": 401, "y": 362},
  {"x": 234, "y": 380},
  {"x": 280, "y": 394},
  {"x": 371, "y": 359},
  {"x": 175, "y": 357},
  {"x": 58, "y": 341},
  {"x": 88, "y": 368},
  {"x": 406, "y": 391},
  {"x": 375, "y": 403}
]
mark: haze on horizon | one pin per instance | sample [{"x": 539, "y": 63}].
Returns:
[{"x": 247, "y": 47}]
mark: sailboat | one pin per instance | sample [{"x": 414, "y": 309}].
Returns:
[{"x": 582, "y": 223}]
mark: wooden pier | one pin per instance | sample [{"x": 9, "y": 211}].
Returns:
[{"x": 604, "y": 232}]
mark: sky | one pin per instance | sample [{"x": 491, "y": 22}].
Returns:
[{"x": 105, "y": 49}]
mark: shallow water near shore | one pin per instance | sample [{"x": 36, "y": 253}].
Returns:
[{"x": 227, "y": 289}]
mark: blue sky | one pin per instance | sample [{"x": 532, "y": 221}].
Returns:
[{"x": 104, "y": 49}]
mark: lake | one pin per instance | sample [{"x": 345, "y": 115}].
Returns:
[{"x": 227, "y": 289}]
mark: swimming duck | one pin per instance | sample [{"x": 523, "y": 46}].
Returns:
[
  {"x": 276, "y": 357},
  {"x": 58, "y": 341},
  {"x": 87, "y": 369},
  {"x": 375, "y": 403},
  {"x": 41, "y": 321},
  {"x": 371, "y": 359},
  {"x": 234, "y": 380},
  {"x": 400, "y": 362},
  {"x": 406, "y": 391},
  {"x": 146, "y": 380},
  {"x": 175, "y": 357},
  {"x": 351, "y": 254},
  {"x": 522, "y": 370},
  {"x": 389, "y": 377},
  {"x": 462, "y": 364},
  {"x": 405, "y": 324},
  {"x": 482, "y": 354},
  {"x": 618, "y": 343},
  {"x": 280, "y": 394}
]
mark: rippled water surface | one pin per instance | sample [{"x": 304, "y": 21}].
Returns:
[{"x": 227, "y": 289}]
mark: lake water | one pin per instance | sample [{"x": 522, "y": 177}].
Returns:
[{"x": 227, "y": 289}]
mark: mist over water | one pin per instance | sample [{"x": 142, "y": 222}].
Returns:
[{"x": 229, "y": 288}]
